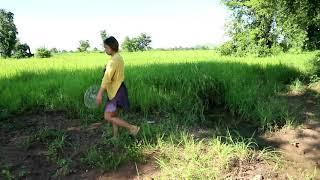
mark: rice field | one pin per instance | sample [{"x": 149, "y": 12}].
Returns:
[
  {"x": 178, "y": 89},
  {"x": 188, "y": 83}
]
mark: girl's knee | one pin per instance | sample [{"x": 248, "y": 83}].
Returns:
[{"x": 108, "y": 116}]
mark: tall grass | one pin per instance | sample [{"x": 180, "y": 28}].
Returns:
[{"x": 189, "y": 83}]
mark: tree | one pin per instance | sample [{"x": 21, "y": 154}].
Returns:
[
  {"x": 54, "y": 50},
  {"x": 300, "y": 23},
  {"x": 103, "y": 35},
  {"x": 84, "y": 45},
  {"x": 139, "y": 43},
  {"x": 8, "y": 33},
  {"x": 262, "y": 27},
  {"x": 128, "y": 44},
  {"x": 22, "y": 51},
  {"x": 143, "y": 42}
]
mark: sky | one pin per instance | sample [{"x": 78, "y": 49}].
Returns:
[{"x": 170, "y": 23}]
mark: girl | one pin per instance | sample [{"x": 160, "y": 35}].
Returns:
[{"x": 113, "y": 84}]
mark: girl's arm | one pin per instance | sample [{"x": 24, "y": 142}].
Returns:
[
  {"x": 108, "y": 75},
  {"x": 107, "y": 79},
  {"x": 99, "y": 96}
]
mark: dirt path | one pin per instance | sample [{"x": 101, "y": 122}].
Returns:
[
  {"x": 20, "y": 160},
  {"x": 301, "y": 145}
]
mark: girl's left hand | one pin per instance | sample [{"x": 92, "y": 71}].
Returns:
[{"x": 99, "y": 99}]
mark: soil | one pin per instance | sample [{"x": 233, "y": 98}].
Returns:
[{"x": 32, "y": 162}]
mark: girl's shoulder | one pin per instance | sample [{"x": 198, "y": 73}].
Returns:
[{"x": 117, "y": 56}]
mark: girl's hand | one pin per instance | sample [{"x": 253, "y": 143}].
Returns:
[
  {"x": 99, "y": 99},
  {"x": 99, "y": 96}
]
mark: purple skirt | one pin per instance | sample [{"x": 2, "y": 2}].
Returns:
[{"x": 121, "y": 100}]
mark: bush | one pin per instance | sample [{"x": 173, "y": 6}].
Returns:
[
  {"x": 19, "y": 55},
  {"x": 54, "y": 50},
  {"x": 43, "y": 53},
  {"x": 227, "y": 49},
  {"x": 316, "y": 64},
  {"x": 277, "y": 49},
  {"x": 22, "y": 51}
]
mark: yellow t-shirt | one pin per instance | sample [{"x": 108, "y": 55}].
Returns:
[{"x": 113, "y": 76}]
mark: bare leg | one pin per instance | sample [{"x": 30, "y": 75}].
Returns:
[
  {"x": 112, "y": 118},
  {"x": 115, "y": 130}
]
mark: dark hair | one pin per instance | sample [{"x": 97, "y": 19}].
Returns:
[{"x": 112, "y": 43}]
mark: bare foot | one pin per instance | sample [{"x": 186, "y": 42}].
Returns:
[{"x": 134, "y": 130}]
